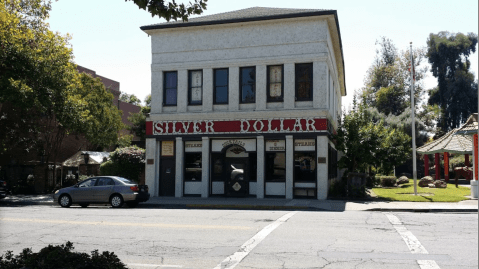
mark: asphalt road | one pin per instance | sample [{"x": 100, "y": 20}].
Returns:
[{"x": 180, "y": 238}]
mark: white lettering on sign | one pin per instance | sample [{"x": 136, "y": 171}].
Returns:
[
  {"x": 233, "y": 142},
  {"x": 310, "y": 124},
  {"x": 275, "y": 145},
  {"x": 209, "y": 127},
  {"x": 278, "y": 125},
  {"x": 255, "y": 126},
  {"x": 270, "y": 129},
  {"x": 243, "y": 122}
]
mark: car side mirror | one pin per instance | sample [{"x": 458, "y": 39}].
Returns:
[{"x": 76, "y": 186}]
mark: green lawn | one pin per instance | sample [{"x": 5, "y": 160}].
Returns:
[{"x": 406, "y": 193}]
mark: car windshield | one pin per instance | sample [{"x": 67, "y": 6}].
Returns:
[{"x": 125, "y": 180}]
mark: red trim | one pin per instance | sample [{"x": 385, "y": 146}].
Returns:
[
  {"x": 300, "y": 125},
  {"x": 446, "y": 166},
  {"x": 149, "y": 128},
  {"x": 426, "y": 165},
  {"x": 475, "y": 156},
  {"x": 437, "y": 157}
]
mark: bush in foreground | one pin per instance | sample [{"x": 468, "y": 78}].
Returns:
[{"x": 61, "y": 256}]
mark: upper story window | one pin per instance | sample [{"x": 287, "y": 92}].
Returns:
[
  {"x": 304, "y": 82},
  {"x": 220, "y": 86},
  {"x": 248, "y": 84},
  {"x": 275, "y": 83},
  {"x": 170, "y": 91},
  {"x": 195, "y": 88}
]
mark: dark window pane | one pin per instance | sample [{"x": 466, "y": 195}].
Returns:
[
  {"x": 304, "y": 167},
  {"x": 276, "y": 166},
  {"x": 247, "y": 94},
  {"x": 217, "y": 166},
  {"x": 170, "y": 97},
  {"x": 248, "y": 84},
  {"x": 171, "y": 80},
  {"x": 248, "y": 75},
  {"x": 221, "y": 95},
  {"x": 221, "y": 77},
  {"x": 304, "y": 81},
  {"x": 304, "y": 90},
  {"x": 193, "y": 166}
]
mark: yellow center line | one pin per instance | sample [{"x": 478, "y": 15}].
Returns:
[{"x": 106, "y": 223}]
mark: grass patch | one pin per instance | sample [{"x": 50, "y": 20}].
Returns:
[{"x": 406, "y": 193}]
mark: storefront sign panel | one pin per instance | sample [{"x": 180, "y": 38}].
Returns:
[
  {"x": 244, "y": 126},
  {"x": 217, "y": 145},
  {"x": 304, "y": 145},
  {"x": 167, "y": 148},
  {"x": 193, "y": 146},
  {"x": 275, "y": 145}
]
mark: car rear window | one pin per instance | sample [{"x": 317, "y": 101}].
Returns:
[{"x": 125, "y": 180}]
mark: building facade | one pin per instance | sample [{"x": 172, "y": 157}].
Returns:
[{"x": 244, "y": 103}]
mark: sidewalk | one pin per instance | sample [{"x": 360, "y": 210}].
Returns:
[{"x": 270, "y": 204}]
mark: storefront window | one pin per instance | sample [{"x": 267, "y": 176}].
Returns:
[
  {"x": 253, "y": 163},
  {"x": 275, "y": 167},
  {"x": 304, "y": 167},
  {"x": 217, "y": 167},
  {"x": 193, "y": 166}
]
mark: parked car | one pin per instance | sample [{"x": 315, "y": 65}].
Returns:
[
  {"x": 3, "y": 189},
  {"x": 102, "y": 190}
]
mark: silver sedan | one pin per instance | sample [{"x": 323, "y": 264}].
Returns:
[{"x": 101, "y": 190}]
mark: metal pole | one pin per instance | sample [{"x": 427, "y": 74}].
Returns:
[{"x": 414, "y": 168}]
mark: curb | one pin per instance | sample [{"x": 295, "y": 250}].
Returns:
[{"x": 432, "y": 210}]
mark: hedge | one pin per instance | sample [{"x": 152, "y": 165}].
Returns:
[{"x": 60, "y": 256}]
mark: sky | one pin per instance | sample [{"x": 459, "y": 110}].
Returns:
[{"x": 106, "y": 35}]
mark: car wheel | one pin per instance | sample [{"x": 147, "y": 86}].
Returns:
[
  {"x": 84, "y": 205},
  {"x": 132, "y": 204},
  {"x": 65, "y": 200},
  {"x": 116, "y": 201}
]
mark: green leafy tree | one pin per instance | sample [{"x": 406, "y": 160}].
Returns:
[
  {"x": 138, "y": 120},
  {"x": 387, "y": 82},
  {"x": 170, "y": 9},
  {"x": 147, "y": 108},
  {"x": 456, "y": 94},
  {"x": 40, "y": 83},
  {"x": 130, "y": 98},
  {"x": 367, "y": 143}
]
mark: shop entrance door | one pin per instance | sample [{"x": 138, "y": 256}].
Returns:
[
  {"x": 237, "y": 179},
  {"x": 167, "y": 177}
]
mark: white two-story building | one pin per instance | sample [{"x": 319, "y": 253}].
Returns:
[{"x": 244, "y": 103}]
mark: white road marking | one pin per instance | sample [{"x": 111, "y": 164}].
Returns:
[
  {"x": 247, "y": 247},
  {"x": 428, "y": 264},
  {"x": 412, "y": 242},
  {"x": 154, "y": 265}
]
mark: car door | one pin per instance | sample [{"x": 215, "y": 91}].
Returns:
[
  {"x": 103, "y": 189},
  {"x": 84, "y": 191}
]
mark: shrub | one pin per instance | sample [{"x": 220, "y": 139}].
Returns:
[
  {"x": 388, "y": 181},
  {"x": 109, "y": 168},
  {"x": 372, "y": 181},
  {"x": 338, "y": 188},
  {"x": 126, "y": 162},
  {"x": 60, "y": 256}
]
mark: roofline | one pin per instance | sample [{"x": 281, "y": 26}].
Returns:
[{"x": 262, "y": 18}]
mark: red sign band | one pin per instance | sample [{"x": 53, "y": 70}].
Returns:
[{"x": 237, "y": 126}]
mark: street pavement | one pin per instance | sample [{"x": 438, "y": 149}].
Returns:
[
  {"x": 271, "y": 204},
  {"x": 249, "y": 239}
]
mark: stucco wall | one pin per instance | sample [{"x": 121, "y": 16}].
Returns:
[{"x": 286, "y": 41}]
